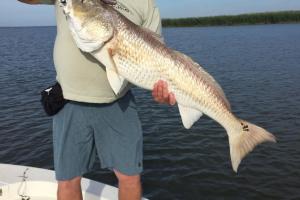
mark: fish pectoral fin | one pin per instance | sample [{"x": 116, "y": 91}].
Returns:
[
  {"x": 116, "y": 81},
  {"x": 189, "y": 115}
]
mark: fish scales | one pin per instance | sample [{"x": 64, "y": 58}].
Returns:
[{"x": 167, "y": 67}]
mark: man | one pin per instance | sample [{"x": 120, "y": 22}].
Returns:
[{"x": 96, "y": 120}]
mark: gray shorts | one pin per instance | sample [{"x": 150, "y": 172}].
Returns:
[{"x": 112, "y": 131}]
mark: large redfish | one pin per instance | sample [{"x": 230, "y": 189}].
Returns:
[{"x": 134, "y": 54}]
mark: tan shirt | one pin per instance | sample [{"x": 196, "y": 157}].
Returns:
[{"x": 81, "y": 76}]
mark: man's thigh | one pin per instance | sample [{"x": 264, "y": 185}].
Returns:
[
  {"x": 119, "y": 137},
  {"x": 112, "y": 130},
  {"x": 73, "y": 142}
]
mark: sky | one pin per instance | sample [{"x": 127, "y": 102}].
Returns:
[{"x": 14, "y": 13}]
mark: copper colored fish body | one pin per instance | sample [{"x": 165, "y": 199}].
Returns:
[{"x": 131, "y": 53}]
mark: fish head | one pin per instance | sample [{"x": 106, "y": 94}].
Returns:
[
  {"x": 80, "y": 7},
  {"x": 90, "y": 22}
]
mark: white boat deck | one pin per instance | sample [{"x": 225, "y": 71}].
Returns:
[{"x": 29, "y": 183}]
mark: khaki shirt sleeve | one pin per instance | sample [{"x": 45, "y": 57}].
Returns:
[{"x": 151, "y": 17}]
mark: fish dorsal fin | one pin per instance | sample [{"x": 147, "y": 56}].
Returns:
[
  {"x": 206, "y": 76},
  {"x": 116, "y": 81},
  {"x": 189, "y": 115},
  {"x": 153, "y": 34}
]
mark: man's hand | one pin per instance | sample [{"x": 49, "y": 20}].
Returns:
[{"x": 161, "y": 93}]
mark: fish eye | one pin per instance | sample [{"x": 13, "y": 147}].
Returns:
[{"x": 63, "y": 2}]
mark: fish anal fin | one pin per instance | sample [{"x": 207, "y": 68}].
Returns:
[{"x": 189, "y": 115}]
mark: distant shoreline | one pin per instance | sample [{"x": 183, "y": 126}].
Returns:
[{"x": 282, "y": 17}]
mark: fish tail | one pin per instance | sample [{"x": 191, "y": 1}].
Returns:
[{"x": 243, "y": 139}]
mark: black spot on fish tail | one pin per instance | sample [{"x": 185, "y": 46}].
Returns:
[{"x": 245, "y": 128}]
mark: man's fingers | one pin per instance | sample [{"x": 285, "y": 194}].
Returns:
[
  {"x": 161, "y": 93},
  {"x": 154, "y": 91},
  {"x": 160, "y": 90},
  {"x": 172, "y": 100},
  {"x": 165, "y": 92}
]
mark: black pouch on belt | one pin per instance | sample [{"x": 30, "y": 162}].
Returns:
[{"x": 52, "y": 99}]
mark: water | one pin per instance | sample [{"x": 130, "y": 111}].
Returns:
[{"x": 259, "y": 70}]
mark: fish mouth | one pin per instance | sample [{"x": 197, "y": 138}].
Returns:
[
  {"x": 66, "y": 13},
  {"x": 64, "y": 5},
  {"x": 66, "y": 9},
  {"x": 63, "y": 2}
]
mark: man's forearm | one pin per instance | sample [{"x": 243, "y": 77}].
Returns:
[{"x": 38, "y": 1}]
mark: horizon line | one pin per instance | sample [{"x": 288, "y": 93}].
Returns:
[{"x": 251, "y": 13}]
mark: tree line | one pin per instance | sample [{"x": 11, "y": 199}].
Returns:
[{"x": 229, "y": 20}]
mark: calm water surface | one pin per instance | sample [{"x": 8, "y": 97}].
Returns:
[{"x": 259, "y": 70}]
